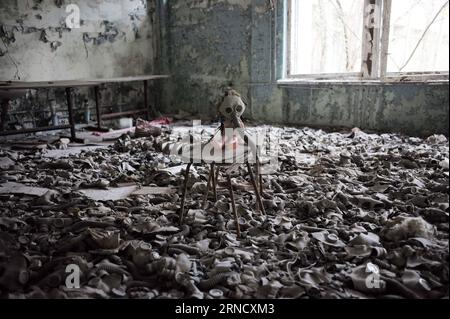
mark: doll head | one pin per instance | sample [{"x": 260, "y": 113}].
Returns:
[{"x": 232, "y": 107}]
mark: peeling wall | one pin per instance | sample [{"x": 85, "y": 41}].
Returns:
[
  {"x": 116, "y": 38},
  {"x": 209, "y": 48},
  {"x": 206, "y": 45},
  {"x": 212, "y": 43},
  {"x": 408, "y": 108}
]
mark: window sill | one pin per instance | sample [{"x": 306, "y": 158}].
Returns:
[{"x": 389, "y": 81}]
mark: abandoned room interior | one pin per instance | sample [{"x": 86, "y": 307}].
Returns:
[{"x": 224, "y": 149}]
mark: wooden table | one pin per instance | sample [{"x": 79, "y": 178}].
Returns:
[
  {"x": 11, "y": 89},
  {"x": 144, "y": 78}
]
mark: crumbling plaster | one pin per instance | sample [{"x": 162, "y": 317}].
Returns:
[
  {"x": 205, "y": 56},
  {"x": 205, "y": 45},
  {"x": 115, "y": 39},
  {"x": 212, "y": 43}
]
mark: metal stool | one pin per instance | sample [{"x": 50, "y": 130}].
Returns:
[{"x": 212, "y": 182}]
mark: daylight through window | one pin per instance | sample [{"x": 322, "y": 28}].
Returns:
[{"x": 367, "y": 38}]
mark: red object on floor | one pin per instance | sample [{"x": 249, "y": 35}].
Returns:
[{"x": 161, "y": 121}]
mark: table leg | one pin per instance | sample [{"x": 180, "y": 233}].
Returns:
[
  {"x": 183, "y": 199},
  {"x": 5, "y": 107},
  {"x": 149, "y": 115},
  {"x": 233, "y": 206},
  {"x": 69, "y": 96},
  {"x": 97, "y": 106}
]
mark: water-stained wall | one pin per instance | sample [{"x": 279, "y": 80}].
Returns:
[
  {"x": 212, "y": 43},
  {"x": 206, "y": 45},
  {"x": 115, "y": 39},
  {"x": 414, "y": 109},
  {"x": 209, "y": 46}
]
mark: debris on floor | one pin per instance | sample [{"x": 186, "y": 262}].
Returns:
[
  {"x": 348, "y": 216},
  {"x": 20, "y": 189},
  {"x": 116, "y": 193},
  {"x": 145, "y": 128},
  {"x": 6, "y": 162}
]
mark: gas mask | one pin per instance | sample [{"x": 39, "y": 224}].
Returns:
[{"x": 231, "y": 109}]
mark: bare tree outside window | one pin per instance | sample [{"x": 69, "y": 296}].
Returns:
[
  {"x": 326, "y": 36},
  {"x": 419, "y": 36},
  {"x": 368, "y": 39}
]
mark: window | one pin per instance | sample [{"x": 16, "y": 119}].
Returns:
[
  {"x": 368, "y": 39},
  {"x": 326, "y": 36},
  {"x": 418, "y": 39}
]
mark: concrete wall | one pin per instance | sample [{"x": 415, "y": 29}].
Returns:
[
  {"x": 408, "y": 108},
  {"x": 206, "y": 45},
  {"x": 210, "y": 44},
  {"x": 116, "y": 38},
  {"x": 209, "y": 47}
]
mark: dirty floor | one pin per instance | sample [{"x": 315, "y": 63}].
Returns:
[{"x": 349, "y": 215}]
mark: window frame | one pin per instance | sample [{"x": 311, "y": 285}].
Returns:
[{"x": 374, "y": 55}]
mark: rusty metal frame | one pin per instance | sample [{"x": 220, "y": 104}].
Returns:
[
  {"x": 71, "y": 125},
  {"x": 100, "y": 116},
  {"x": 69, "y": 87}
]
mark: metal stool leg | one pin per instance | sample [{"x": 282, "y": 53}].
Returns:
[
  {"x": 257, "y": 181},
  {"x": 183, "y": 200},
  {"x": 214, "y": 180},
  {"x": 258, "y": 196},
  {"x": 261, "y": 188},
  {"x": 233, "y": 206},
  {"x": 208, "y": 187},
  {"x": 217, "y": 175}
]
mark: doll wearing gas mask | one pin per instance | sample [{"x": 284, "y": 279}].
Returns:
[{"x": 230, "y": 111}]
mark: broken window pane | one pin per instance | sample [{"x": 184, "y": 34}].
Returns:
[
  {"x": 326, "y": 36},
  {"x": 419, "y": 36}
]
